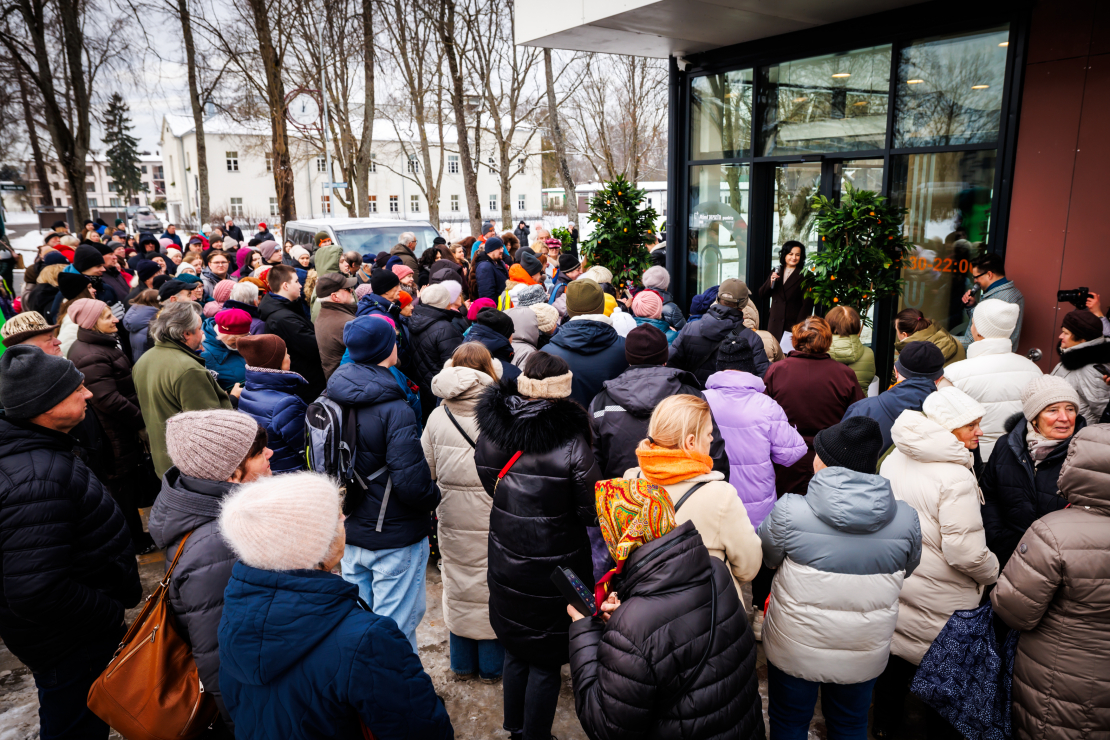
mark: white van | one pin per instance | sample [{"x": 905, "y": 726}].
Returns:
[{"x": 362, "y": 235}]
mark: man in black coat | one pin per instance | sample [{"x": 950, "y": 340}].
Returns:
[
  {"x": 695, "y": 347},
  {"x": 434, "y": 338},
  {"x": 233, "y": 231},
  {"x": 620, "y": 413},
  {"x": 287, "y": 315},
  {"x": 65, "y": 551}
]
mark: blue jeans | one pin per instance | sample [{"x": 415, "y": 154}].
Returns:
[
  {"x": 792, "y": 700},
  {"x": 64, "y": 691},
  {"x": 391, "y": 582},
  {"x": 485, "y": 656}
]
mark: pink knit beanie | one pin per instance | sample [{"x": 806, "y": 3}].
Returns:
[
  {"x": 402, "y": 271},
  {"x": 648, "y": 305},
  {"x": 85, "y": 312},
  {"x": 222, "y": 291},
  {"x": 190, "y": 436}
]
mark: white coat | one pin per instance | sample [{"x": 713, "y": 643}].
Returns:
[
  {"x": 931, "y": 471},
  {"x": 993, "y": 375}
]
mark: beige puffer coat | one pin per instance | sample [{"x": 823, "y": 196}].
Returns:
[
  {"x": 931, "y": 471},
  {"x": 770, "y": 344},
  {"x": 464, "y": 509},
  {"x": 1056, "y": 589},
  {"x": 722, "y": 521}
]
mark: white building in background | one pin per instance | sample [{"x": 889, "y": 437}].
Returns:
[
  {"x": 241, "y": 181},
  {"x": 99, "y": 188},
  {"x": 655, "y": 196}
]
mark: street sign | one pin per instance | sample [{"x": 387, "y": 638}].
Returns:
[
  {"x": 335, "y": 185},
  {"x": 12, "y": 186}
]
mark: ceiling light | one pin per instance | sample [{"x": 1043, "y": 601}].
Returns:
[
  {"x": 840, "y": 75},
  {"x": 979, "y": 87},
  {"x": 1004, "y": 44},
  {"x": 914, "y": 82}
]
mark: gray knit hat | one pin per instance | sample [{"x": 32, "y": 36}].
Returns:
[
  {"x": 210, "y": 445},
  {"x": 1042, "y": 392},
  {"x": 33, "y": 382},
  {"x": 529, "y": 296}
]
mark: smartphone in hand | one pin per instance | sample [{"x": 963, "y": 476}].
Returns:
[{"x": 574, "y": 591}]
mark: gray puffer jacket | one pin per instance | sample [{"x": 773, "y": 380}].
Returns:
[
  {"x": 197, "y": 588},
  {"x": 842, "y": 553}
]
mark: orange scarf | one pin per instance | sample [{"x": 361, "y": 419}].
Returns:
[
  {"x": 664, "y": 466},
  {"x": 519, "y": 274}
]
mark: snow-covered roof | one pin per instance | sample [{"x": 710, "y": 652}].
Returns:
[{"x": 179, "y": 125}]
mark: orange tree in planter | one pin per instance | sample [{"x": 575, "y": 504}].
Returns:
[
  {"x": 861, "y": 251},
  {"x": 621, "y": 228}
]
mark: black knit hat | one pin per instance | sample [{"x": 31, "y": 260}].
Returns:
[
  {"x": 87, "y": 257},
  {"x": 568, "y": 263},
  {"x": 735, "y": 354},
  {"x": 853, "y": 443},
  {"x": 920, "y": 360},
  {"x": 33, "y": 382},
  {"x": 383, "y": 281},
  {"x": 646, "y": 345},
  {"x": 529, "y": 261},
  {"x": 70, "y": 284},
  {"x": 1083, "y": 325},
  {"x": 499, "y": 321}
]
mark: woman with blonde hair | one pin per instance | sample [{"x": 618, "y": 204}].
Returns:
[
  {"x": 675, "y": 456},
  {"x": 846, "y": 348},
  {"x": 464, "y": 511}
]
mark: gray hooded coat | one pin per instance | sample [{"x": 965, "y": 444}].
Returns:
[
  {"x": 526, "y": 334},
  {"x": 197, "y": 588},
  {"x": 842, "y": 553}
]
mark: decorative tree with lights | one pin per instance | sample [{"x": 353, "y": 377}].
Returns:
[
  {"x": 861, "y": 252},
  {"x": 621, "y": 228}
]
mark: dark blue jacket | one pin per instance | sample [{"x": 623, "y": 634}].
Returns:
[
  {"x": 889, "y": 405},
  {"x": 172, "y": 237},
  {"x": 388, "y": 434},
  {"x": 302, "y": 657},
  {"x": 270, "y": 396},
  {"x": 372, "y": 303},
  {"x": 695, "y": 347},
  {"x": 65, "y": 551},
  {"x": 595, "y": 353},
  {"x": 498, "y": 346},
  {"x": 491, "y": 278},
  {"x": 229, "y": 365}
]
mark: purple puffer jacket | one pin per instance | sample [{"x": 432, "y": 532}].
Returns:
[{"x": 756, "y": 433}]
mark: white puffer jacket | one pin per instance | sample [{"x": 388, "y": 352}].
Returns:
[
  {"x": 464, "y": 509},
  {"x": 994, "y": 376},
  {"x": 931, "y": 471}
]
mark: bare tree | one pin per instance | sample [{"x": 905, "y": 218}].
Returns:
[
  {"x": 37, "y": 154},
  {"x": 570, "y": 202}
]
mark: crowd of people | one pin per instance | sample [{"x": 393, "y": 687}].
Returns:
[{"x": 504, "y": 411}]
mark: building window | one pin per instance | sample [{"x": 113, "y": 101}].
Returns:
[
  {"x": 88, "y": 171},
  {"x": 237, "y": 207},
  {"x": 113, "y": 201},
  {"x": 373, "y": 163},
  {"x": 92, "y": 203},
  {"x": 143, "y": 169},
  {"x": 325, "y": 204},
  {"x": 321, "y": 164},
  {"x": 414, "y": 203},
  {"x": 414, "y": 164},
  {"x": 493, "y": 202},
  {"x": 520, "y": 200},
  {"x": 373, "y": 203},
  {"x": 455, "y": 203},
  {"x": 159, "y": 172},
  {"x": 90, "y": 186},
  {"x": 232, "y": 159},
  {"x": 453, "y": 164},
  {"x": 520, "y": 161},
  {"x": 649, "y": 202},
  {"x": 394, "y": 204},
  {"x": 273, "y": 207},
  {"x": 111, "y": 187},
  {"x": 58, "y": 201},
  {"x": 269, "y": 161}
]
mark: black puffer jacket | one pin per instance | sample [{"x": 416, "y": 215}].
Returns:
[
  {"x": 695, "y": 347},
  {"x": 628, "y": 672},
  {"x": 541, "y": 509},
  {"x": 197, "y": 588},
  {"x": 619, "y": 416},
  {"x": 434, "y": 338},
  {"x": 290, "y": 321},
  {"x": 1016, "y": 493},
  {"x": 66, "y": 557}
]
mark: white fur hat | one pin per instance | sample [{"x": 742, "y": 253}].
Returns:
[
  {"x": 952, "y": 408},
  {"x": 284, "y": 522},
  {"x": 995, "y": 319}
]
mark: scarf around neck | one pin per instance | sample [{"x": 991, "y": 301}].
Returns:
[
  {"x": 1039, "y": 445},
  {"x": 631, "y": 512},
  {"x": 664, "y": 466}
]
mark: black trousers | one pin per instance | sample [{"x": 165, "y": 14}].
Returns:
[
  {"x": 761, "y": 586},
  {"x": 890, "y": 703},
  {"x": 531, "y": 694}
]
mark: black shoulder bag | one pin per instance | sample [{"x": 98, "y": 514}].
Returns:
[{"x": 458, "y": 426}]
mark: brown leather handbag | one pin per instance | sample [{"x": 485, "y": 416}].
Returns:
[{"x": 151, "y": 690}]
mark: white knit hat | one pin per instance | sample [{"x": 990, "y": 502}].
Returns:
[
  {"x": 436, "y": 296},
  {"x": 995, "y": 319},
  {"x": 599, "y": 274},
  {"x": 284, "y": 522},
  {"x": 1042, "y": 392},
  {"x": 952, "y": 408},
  {"x": 656, "y": 277}
]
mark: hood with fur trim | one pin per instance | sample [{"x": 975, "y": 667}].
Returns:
[
  {"x": 534, "y": 426},
  {"x": 1087, "y": 353}
]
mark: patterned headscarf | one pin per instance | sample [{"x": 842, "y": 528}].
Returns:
[{"x": 632, "y": 512}]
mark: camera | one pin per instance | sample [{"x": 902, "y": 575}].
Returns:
[{"x": 1077, "y": 297}]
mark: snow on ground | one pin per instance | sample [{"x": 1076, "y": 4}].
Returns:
[{"x": 16, "y": 218}]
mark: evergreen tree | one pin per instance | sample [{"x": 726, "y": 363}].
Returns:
[
  {"x": 622, "y": 226},
  {"x": 123, "y": 152}
]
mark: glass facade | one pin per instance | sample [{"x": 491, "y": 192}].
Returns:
[{"x": 917, "y": 119}]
